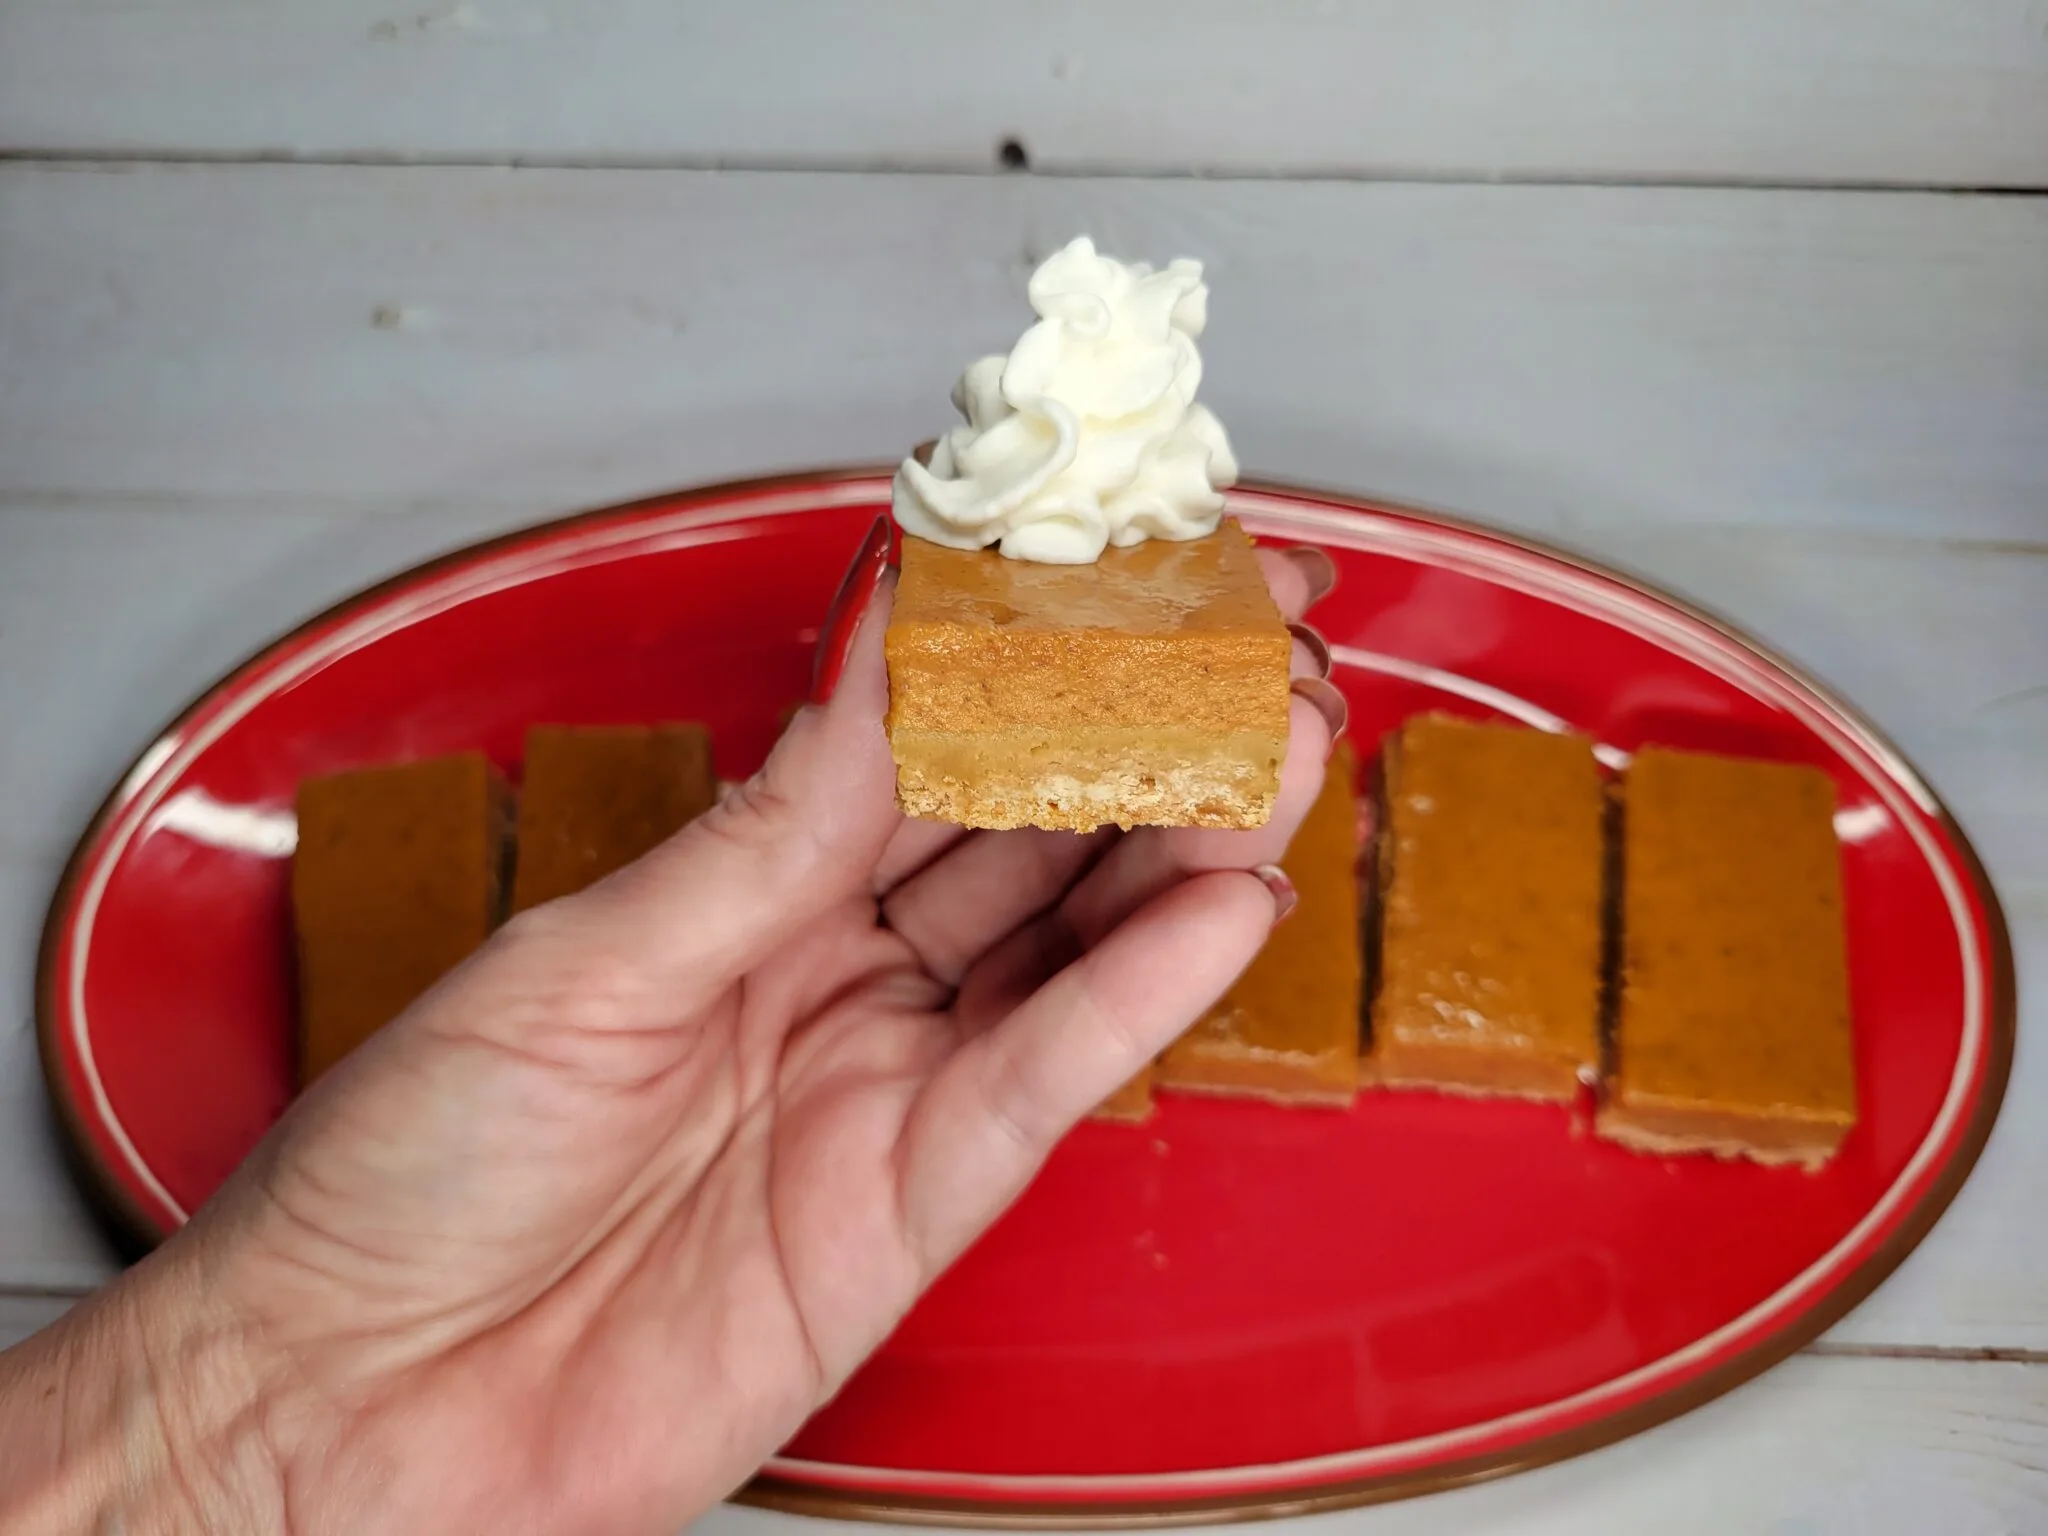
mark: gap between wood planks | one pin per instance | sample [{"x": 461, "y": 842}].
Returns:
[
  {"x": 1968, "y": 1354},
  {"x": 1002, "y": 163}
]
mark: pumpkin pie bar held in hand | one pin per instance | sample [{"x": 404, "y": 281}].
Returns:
[
  {"x": 1079, "y": 636},
  {"x": 1492, "y": 869},
  {"x": 397, "y": 877},
  {"x": 1733, "y": 1033}
]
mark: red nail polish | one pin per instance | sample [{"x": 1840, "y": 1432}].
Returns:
[
  {"x": 856, "y": 590},
  {"x": 1285, "y": 897},
  {"x": 1317, "y": 647}
]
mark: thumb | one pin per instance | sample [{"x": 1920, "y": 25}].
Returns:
[{"x": 796, "y": 839}]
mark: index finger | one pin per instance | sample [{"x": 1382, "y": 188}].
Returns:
[{"x": 1151, "y": 860}]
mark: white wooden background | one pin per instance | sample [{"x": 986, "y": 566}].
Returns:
[{"x": 294, "y": 294}]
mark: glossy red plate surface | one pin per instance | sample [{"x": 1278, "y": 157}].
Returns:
[{"x": 1235, "y": 1308}]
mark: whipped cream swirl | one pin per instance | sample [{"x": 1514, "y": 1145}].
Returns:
[{"x": 1088, "y": 433}]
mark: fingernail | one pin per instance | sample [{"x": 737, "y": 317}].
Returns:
[
  {"x": 1319, "y": 569},
  {"x": 1285, "y": 897},
  {"x": 1328, "y": 701},
  {"x": 1317, "y": 647},
  {"x": 856, "y": 590}
]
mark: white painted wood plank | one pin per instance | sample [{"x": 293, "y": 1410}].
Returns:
[
  {"x": 1976, "y": 1282},
  {"x": 144, "y": 605},
  {"x": 1867, "y": 361},
  {"x": 1894, "y": 91},
  {"x": 48, "y": 1239},
  {"x": 112, "y": 619}
]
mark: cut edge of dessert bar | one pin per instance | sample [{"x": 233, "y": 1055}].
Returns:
[
  {"x": 1079, "y": 781},
  {"x": 1311, "y": 963},
  {"x": 1772, "y": 853},
  {"x": 1676, "y": 1127},
  {"x": 1278, "y": 1077}
]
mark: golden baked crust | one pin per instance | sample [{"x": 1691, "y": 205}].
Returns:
[
  {"x": 1733, "y": 1033},
  {"x": 1147, "y": 688},
  {"x": 1490, "y": 911},
  {"x": 1288, "y": 1028},
  {"x": 396, "y": 879},
  {"x": 595, "y": 798}
]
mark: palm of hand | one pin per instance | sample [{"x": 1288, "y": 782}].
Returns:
[{"x": 599, "y": 1223}]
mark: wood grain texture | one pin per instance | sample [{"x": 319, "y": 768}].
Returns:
[
  {"x": 1920, "y": 92},
  {"x": 1866, "y": 361}
]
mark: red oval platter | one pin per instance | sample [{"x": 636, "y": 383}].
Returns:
[{"x": 1232, "y": 1310}]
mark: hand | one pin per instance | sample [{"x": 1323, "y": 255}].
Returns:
[{"x": 589, "y": 1232}]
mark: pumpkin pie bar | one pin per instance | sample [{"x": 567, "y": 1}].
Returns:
[
  {"x": 1131, "y": 1104},
  {"x": 1288, "y": 1028},
  {"x": 1733, "y": 1031},
  {"x": 1148, "y": 687},
  {"x": 397, "y": 877},
  {"x": 1491, "y": 865},
  {"x": 595, "y": 798}
]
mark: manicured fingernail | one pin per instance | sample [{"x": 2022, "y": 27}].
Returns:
[
  {"x": 1317, "y": 647},
  {"x": 1328, "y": 701},
  {"x": 1285, "y": 897},
  {"x": 857, "y": 589},
  {"x": 1319, "y": 569}
]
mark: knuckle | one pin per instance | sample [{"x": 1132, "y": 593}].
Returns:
[
  {"x": 760, "y": 819},
  {"x": 560, "y": 976}
]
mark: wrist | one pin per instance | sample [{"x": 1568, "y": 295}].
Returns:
[{"x": 144, "y": 1409}]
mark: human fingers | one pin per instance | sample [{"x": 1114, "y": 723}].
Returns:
[
  {"x": 952, "y": 912},
  {"x": 1151, "y": 859},
  {"x": 916, "y": 845},
  {"x": 1299, "y": 576},
  {"x": 792, "y": 841},
  {"x": 999, "y": 1104}
]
